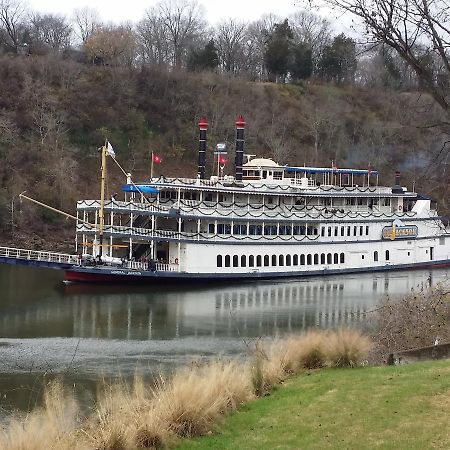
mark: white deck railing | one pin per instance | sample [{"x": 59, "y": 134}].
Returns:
[
  {"x": 137, "y": 265},
  {"x": 37, "y": 255}
]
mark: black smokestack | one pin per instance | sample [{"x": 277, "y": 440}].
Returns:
[
  {"x": 397, "y": 188},
  {"x": 240, "y": 127},
  {"x": 203, "y": 125}
]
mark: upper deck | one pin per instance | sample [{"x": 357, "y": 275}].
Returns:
[{"x": 265, "y": 177}]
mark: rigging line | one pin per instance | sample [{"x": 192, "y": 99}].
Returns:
[{"x": 132, "y": 182}]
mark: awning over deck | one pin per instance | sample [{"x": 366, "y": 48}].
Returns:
[{"x": 140, "y": 188}]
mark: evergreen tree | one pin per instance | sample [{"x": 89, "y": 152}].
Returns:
[
  {"x": 278, "y": 46},
  {"x": 204, "y": 59},
  {"x": 301, "y": 64},
  {"x": 338, "y": 60}
]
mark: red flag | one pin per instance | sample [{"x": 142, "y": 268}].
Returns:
[
  {"x": 222, "y": 160},
  {"x": 156, "y": 159}
]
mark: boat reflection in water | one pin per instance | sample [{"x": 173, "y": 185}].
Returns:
[{"x": 241, "y": 310}]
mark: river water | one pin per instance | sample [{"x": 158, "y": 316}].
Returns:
[{"x": 83, "y": 333}]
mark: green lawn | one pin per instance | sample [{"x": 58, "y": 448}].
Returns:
[{"x": 403, "y": 407}]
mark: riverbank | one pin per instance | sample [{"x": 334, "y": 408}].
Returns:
[{"x": 389, "y": 407}]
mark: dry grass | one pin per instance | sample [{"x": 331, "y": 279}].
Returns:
[
  {"x": 188, "y": 404},
  {"x": 347, "y": 348},
  {"x": 193, "y": 400},
  {"x": 306, "y": 351},
  {"x": 267, "y": 368},
  {"x": 48, "y": 428}
]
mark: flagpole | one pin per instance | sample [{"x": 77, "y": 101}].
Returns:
[
  {"x": 151, "y": 167},
  {"x": 101, "y": 212}
]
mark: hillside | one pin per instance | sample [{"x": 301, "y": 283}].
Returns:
[{"x": 55, "y": 113}]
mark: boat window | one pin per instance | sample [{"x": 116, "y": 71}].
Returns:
[
  {"x": 360, "y": 201},
  {"x": 288, "y": 260},
  {"x": 336, "y": 258},
  {"x": 227, "y": 261},
  {"x": 375, "y": 256},
  {"x": 360, "y": 231},
  {"x": 322, "y": 258},
  {"x": 251, "y": 261},
  {"x": 329, "y": 231},
  {"x": 316, "y": 258},
  {"x": 274, "y": 260},
  {"x": 243, "y": 261},
  {"x": 270, "y": 230},
  {"x": 387, "y": 255},
  {"x": 323, "y": 231},
  {"x": 295, "y": 263},
  {"x": 349, "y": 231},
  {"x": 309, "y": 260},
  {"x": 208, "y": 197},
  {"x": 336, "y": 231},
  {"x": 211, "y": 228},
  {"x": 227, "y": 229},
  {"x": 259, "y": 261},
  {"x": 264, "y": 174},
  {"x": 266, "y": 260},
  {"x": 219, "y": 260},
  {"x": 278, "y": 175},
  {"x": 355, "y": 230},
  {"x": 342, "y": 231},
  {"x": 342, "y": 258},
  {"x": 281, "y": 260},
  {"x": 302, "y": 260},
  {"x": 235, "y": 261},
  {"x": 329, "y": 258},
  {"x": 367, "y": 230}
]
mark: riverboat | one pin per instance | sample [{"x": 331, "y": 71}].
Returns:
[{"x": 265, "y": 221}]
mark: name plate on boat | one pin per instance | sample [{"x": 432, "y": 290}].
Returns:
[{"x": 405, "y": 232}]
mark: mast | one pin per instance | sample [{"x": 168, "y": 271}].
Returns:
[{"x": 101, "y": 213}]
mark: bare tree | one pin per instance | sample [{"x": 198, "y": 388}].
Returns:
[
  {"x": 311, "y": 29},
  {"x": 418, "y": 30},
  {"x": 51, "y": 31},
  {"x": 154, "y": 46},
  {"x": 113, "y": 45},
  {"x": 184, "y": 23},
  {"x": 12, "y": 13},
  {"x": 230, "y": 42},
  {"x": 87, "y": 21}
]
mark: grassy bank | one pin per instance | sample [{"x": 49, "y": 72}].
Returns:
[{"x": 403, "y": 407}]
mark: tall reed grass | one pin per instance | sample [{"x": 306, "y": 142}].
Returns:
[{"x": 188, "y": 404}]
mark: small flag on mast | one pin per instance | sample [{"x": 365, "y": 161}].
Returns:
[
  {"x": 156, "y": 159},
  {"x": 110, "y": 150},
  {"x": 222, "y": 160}
]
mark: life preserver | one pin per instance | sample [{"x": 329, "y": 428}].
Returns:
[
  {"x": 400, "y": 207},
  {"x": 176, "y": 260}
]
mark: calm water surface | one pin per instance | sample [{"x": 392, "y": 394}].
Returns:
[{"x": 82, "y": 333}]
